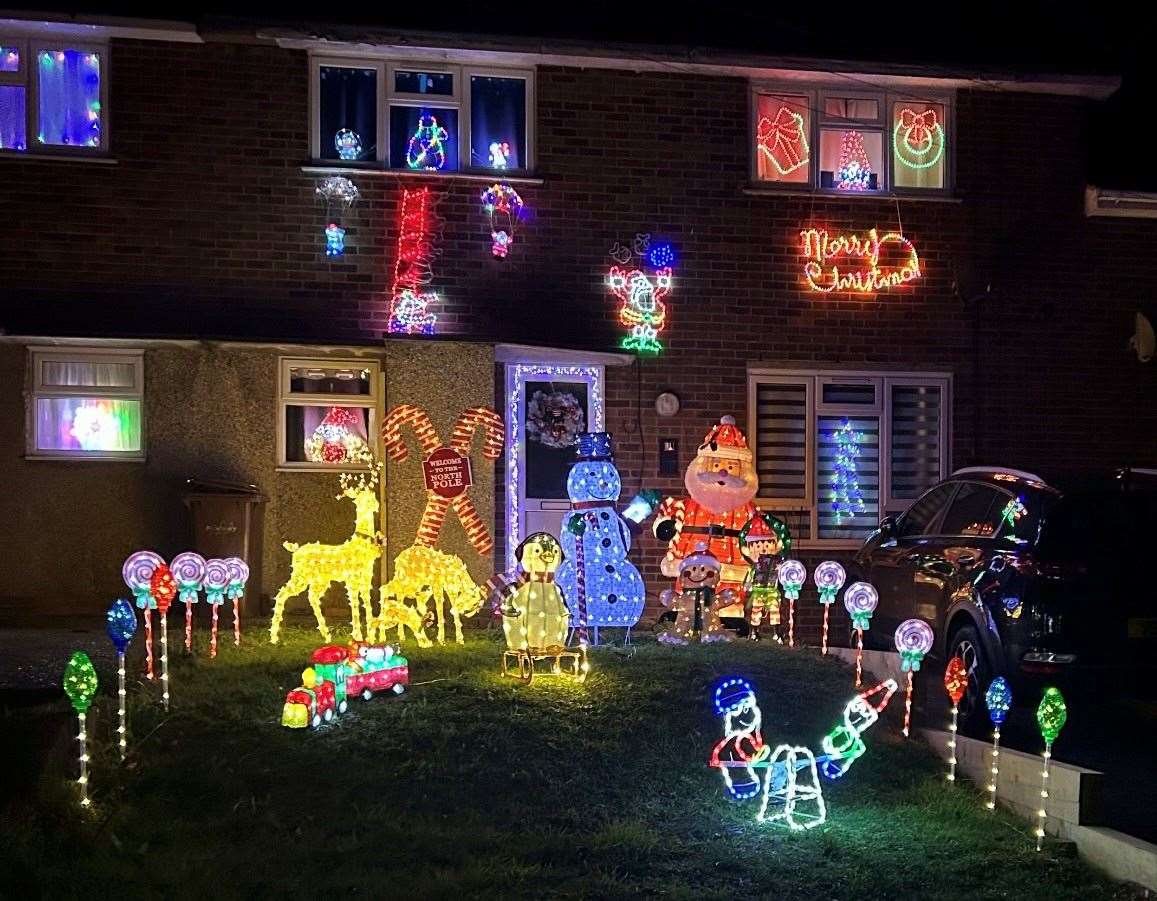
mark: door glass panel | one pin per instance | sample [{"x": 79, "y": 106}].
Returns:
[
  {"x": 920, "y": 516},
  {"x": 555, "y": 413},
  {"x": 974, "y": 511}
]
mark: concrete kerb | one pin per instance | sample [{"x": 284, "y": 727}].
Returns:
[{"x": 1074, "y": 804}]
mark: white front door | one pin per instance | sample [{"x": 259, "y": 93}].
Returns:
[{"x": 546, "y": 407}]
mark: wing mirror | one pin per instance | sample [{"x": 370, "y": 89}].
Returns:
[{"x": 888, "y": 529}]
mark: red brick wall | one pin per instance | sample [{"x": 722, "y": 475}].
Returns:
[{"x": 207, "y": 227}]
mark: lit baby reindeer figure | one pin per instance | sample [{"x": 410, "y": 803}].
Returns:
[{"x": 643, "y": 310}]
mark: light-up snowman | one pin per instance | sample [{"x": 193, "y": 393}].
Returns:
[{"x": 596, "y": 575}]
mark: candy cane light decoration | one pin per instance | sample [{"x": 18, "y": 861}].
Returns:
[
  {"x": 80, "y": 686},
  {"x": 791, "y": 574},
  {"x": 216, "y": 582},
  {"x": 1050, "y": 716},
  {"x": 137, "y": 572},
  {"x": 189, "y": 571},
  {"x": 955, "y": 683},
  {"x": 860, "y": 601},
  {"x": 163, "y": 588},
  {"x": 121, "y": 625},
  {"x": 238, "y": 576},
  {"x": 434, "y": 515},
  {"x": 914, "y": 639},
  {"x": 829, "y": 578}
]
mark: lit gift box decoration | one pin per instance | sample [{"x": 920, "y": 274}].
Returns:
[{"x": 783, "y": 140}]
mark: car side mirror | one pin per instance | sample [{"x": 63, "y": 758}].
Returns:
[{"x": 888, "y": 529}]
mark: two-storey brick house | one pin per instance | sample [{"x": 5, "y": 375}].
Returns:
[{"x": 901, "y": 248}]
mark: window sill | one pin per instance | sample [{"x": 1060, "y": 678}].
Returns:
[
  {"x": 58, "y": 158},
  {"x": 758, "y": 190},
  {"x": 83, "y": 458},
  {"x": 321, "y": 168}
]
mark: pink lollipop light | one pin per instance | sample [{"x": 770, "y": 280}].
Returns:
[
  {"x": 189, "y": 571},
  {"x": 914, "y": 639},
  {"x": 791, "y": 574},
  {"x": 238, "y": 576},
  {"x": 216, "y": 581},
  {"x": 860, "y": 601},
  {"x": 137, "y": 572},
  {"x": 829, "y": 578}
]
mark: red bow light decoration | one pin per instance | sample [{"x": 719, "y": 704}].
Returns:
[
  {"x": 918, "y": 127},
  {"x": 434, "y": 515}
]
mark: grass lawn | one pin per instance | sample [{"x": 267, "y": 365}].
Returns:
[{"x": 472, "y": 786}]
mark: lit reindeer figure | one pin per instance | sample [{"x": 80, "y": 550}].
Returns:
[
  {"x": 316, "y": 566},
  {"x": 423, "y": 575}
]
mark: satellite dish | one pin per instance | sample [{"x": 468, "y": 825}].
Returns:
[{"x": 1143, "y": 343}]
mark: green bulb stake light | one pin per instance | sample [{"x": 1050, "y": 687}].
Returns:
[
  {"x": 1050, "y": 716},
  {"x": 80, "y": 686}
]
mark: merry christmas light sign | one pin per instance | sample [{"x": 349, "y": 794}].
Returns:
[{"x": 857, "y": 264}]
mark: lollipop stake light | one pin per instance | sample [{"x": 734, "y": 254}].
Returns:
[
  {"x": 189, "y": 571},
  {"x": 792, "y": 574},
  {"x": 216, "y": 582},
  {"x": 137, "y": 572},
  {"x": 121, "y": 624},
  {"x": 955, "y": 683},
  {"x": 860, "y": 601},
  {"x": 829, "y": 578},
  {"x": 914, "y": 639},
  {"x": 998, "y": 699},
  {"x": 238, "y": 576},
  {"x": 1050, "y": 716},
  {"x": 80, "y": 685}
]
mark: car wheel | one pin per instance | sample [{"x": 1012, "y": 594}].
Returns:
[
  {"x": 367, "y": 695},
  {"x": 315, "y": 721},
  {"x": 329, "y": 715},
  {"x": 342, "y": 707},
  {"x": 398, "y": 688},
  {"x": 966, "y": 645}
]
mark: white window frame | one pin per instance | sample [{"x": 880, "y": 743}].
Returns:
[
  {"x": 30, "y": 49},
  {"x": 39, "y": 355},
  {"x": 815, "y": 96},
  {"x": 459, "y": 100},
  {"x": 813, "y": 381},
  {"x": 286, "y": 398}
]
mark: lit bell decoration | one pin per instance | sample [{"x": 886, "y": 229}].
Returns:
[
  {"x": 121, "y": 624},
  {"x": 137, "y": 572},
  {"x": 189, "y": 571},
  {"x": 829, "y": 578},
  {"x": 1050, "y": 717},
  {"x": 914, "y": 639},
  {"x": 998, "y": 699},
  {"x": 334, "y": 440},
  {"x": 860, "y": 601},
  {"x": 792, "y": 575},
  {"x": 80, "y": 685},
  {"x": 955, "y": 683},
  {"x": 163, "y": 588}
]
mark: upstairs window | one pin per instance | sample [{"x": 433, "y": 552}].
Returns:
[
  {"x": 86, "y": 404},
  {"x": 52, "y": 97},
  {"x": 850, "y": 143},
  {"x": 422, "y": 118}
]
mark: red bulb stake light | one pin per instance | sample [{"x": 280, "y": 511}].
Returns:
[
  {"x": 955, "y": 683},
  {"x": 163, "y": 588}
]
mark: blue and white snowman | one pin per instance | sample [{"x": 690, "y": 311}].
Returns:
[{"x": 595, "y": 573}]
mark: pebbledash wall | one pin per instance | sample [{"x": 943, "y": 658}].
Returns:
[{"x": 207, "y": 228}]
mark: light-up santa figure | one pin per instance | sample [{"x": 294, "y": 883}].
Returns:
[
  {"x": 336, "y": 439},
  {"x": 596, "y": 577},
  {"x": 722, "y": 483}
]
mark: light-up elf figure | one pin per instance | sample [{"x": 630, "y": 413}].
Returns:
[
  {"x": 601, "y": 586},
  {"x": 763, "y": 541},
  {"x": 741, "y": 749},
  {"x": 697, "y": 601}
]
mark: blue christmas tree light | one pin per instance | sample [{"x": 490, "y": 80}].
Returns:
[{"x": 847, "y": 499}]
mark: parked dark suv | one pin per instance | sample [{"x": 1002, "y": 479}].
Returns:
[{"x": 1022, "y": 580}]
